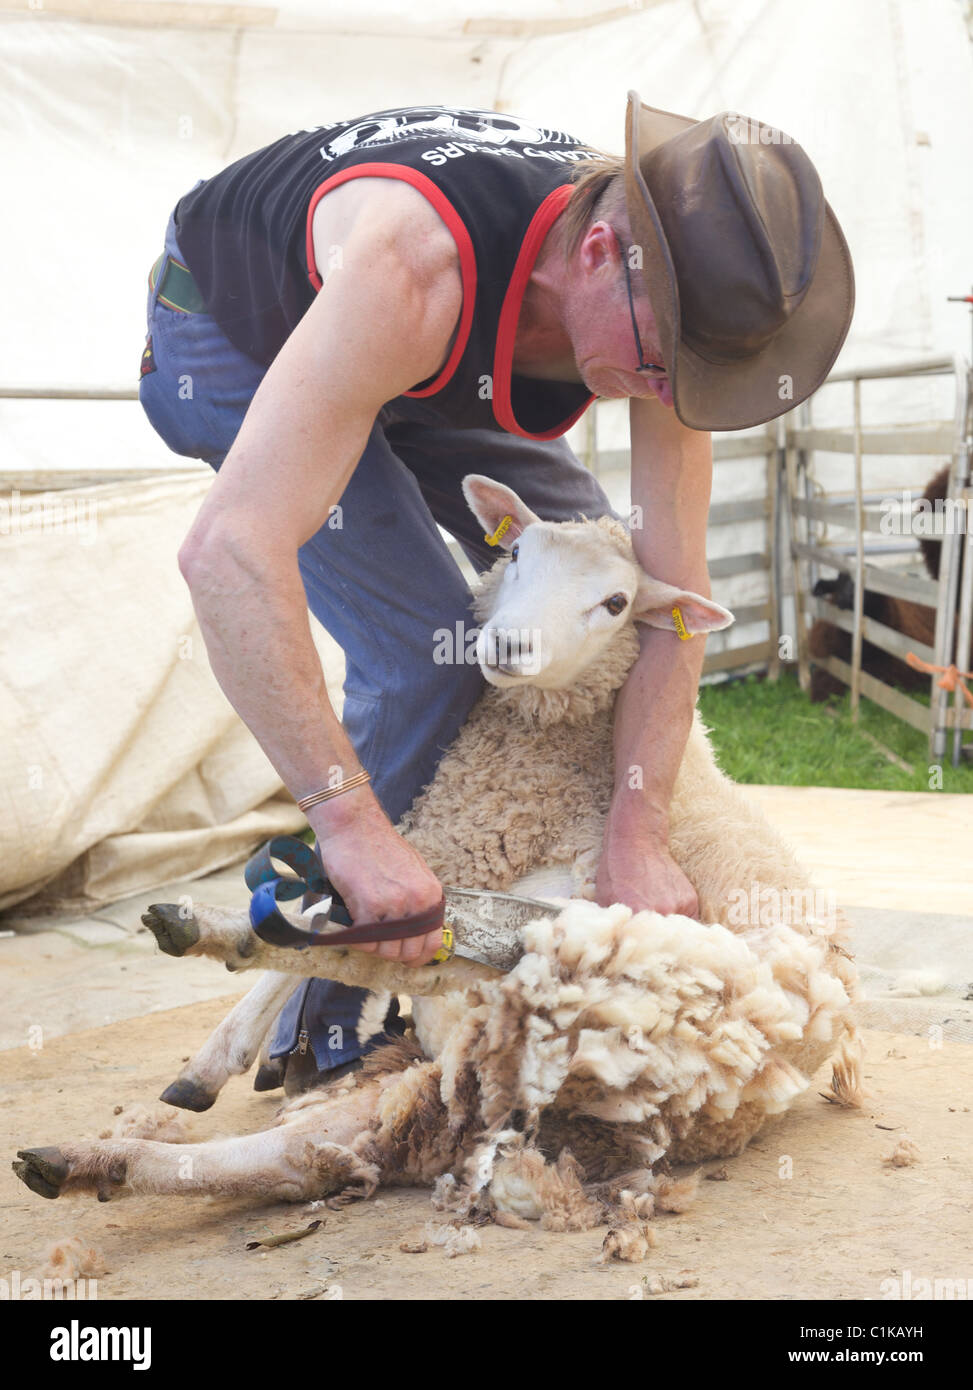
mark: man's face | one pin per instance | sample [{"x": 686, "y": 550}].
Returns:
[{"x": 599, "y": 322}]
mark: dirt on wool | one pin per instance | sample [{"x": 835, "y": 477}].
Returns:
[{"x": 814, "y": 1208}]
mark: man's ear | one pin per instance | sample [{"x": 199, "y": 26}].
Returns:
[
  {"x": 491, "y": 503},
  {"x": 654, "y": 602}
]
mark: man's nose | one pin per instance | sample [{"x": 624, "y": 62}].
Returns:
[{"x": 663, "y": 390}]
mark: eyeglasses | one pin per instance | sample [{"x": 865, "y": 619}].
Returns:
[{"x": 653, "y": 369}]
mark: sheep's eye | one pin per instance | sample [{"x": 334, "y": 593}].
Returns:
[
  {"x": 514, "y": 550},
  {"x": 616, "y": 604}
]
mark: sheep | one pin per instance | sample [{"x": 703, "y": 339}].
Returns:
[
  {"x": 915, "y": 620},
  {"x": 619, "y": 1042}
]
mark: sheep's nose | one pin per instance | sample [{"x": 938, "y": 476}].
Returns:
[{"x": 507, "y": 648}]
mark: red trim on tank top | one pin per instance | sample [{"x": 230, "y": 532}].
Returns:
[
  {"x": 540, "y": 224},
  {"x": 467, "y": 256}
]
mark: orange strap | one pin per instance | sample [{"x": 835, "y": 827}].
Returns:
[{"x": 951, "y": 675}]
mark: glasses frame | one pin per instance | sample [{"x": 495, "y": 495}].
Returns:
[{"x": 654, "y": 369}]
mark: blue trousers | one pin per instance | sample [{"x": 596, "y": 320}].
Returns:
[{"x": 381, "y": 583}]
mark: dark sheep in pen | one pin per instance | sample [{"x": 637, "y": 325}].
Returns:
[{"x": 915, "y": 620}]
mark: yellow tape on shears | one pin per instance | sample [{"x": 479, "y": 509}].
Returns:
[{"x": 445, "y": 951}]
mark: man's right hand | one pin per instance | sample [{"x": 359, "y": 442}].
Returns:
[{"x": 378, "y": 874}]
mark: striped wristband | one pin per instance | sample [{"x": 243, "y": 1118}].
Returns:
[{"x": 326, "y": 793}]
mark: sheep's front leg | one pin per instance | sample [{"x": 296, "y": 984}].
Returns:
[
  {"x": 291, "y": 1163},
  {"x": 579, "y": 848},
  {"x": 227, "y": 935},
  {"x": 233, "y": 1045}
]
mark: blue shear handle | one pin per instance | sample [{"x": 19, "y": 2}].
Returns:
[
  {"x": 269, "y": 888},
  {"x": 269, "y": 922},
  {"x": 297, "y": 855}
]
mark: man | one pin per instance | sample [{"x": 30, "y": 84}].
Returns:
[{"x": 348, "y": 322}]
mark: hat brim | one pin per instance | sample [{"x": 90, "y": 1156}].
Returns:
[{"x": 753, "y": 390}]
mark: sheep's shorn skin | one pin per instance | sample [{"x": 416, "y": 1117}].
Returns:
[{"x": 619, "y": 1041}]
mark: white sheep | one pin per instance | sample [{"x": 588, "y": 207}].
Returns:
[{"x": 619, "y": 1039}]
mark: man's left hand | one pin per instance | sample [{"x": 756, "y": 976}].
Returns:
[{"x": 637, "y": 869}]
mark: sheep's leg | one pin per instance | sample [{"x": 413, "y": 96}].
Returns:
[
  {"x": 270, "y": 1071},
  {"x": 226, "y": 935},
  {"x": 310, "y": 1155},
  {"x": 232, "y": 1046},
  {"x": 583, "y": 853}
]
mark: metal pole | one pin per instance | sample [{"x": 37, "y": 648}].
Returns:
[
  {"x": 775, "y": 465},
  {"x": 964, "y": 299},
  {"x": 856, "y": 639},
  {"x": 69, "y": 393}
]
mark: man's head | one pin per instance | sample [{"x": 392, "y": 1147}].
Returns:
[
  {"x": 742, "y": 282},
  {"x": 607, "y": 310}
]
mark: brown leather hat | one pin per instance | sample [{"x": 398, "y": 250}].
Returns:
[{"x": 748, "y": 272}]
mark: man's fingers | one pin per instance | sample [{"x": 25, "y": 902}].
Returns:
[
  {"x": 419, "y": 950},
  {"x": 412, "y": 948}
]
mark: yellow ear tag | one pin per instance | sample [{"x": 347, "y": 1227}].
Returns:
[
  {"x": 500, "y": 532},
  {"x": 684, "y": 635}
]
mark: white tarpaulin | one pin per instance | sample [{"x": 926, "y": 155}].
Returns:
[{"x": 122, "y": 765}]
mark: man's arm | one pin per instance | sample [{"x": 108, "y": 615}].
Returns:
[
  {"x": 377, "y": 327},
  {"x": 671, "y": 482}
]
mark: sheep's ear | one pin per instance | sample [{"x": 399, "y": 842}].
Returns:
[
  {"x": 491, "y": 503},
  {"x": 654, "y": 602}
]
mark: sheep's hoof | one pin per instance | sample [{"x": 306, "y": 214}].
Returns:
[
  {"x": 174, "y": 932},
  {"x": 188, "y": 1095},
  {"x": 270, "y": 1075},
  {"x": 43, "y": 1170}
]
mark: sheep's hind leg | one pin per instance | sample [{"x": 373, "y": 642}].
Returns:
[
  {"x": 233, "y": 1045},
  {"x": 291, "y": 1163}
]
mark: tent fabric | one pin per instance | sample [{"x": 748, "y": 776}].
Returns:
[
  {"x": 103, "y": 127},
  {"x": 123, "y": 766}
]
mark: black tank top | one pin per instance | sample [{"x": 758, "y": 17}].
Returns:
[{"x": 498, "y": 182}]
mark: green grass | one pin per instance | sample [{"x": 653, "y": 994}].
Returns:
[{"x": 767, "y": 731}]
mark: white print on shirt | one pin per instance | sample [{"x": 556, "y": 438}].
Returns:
[
  {"x": 488, "y": 129},
  {"x": 439, "y": 154}
]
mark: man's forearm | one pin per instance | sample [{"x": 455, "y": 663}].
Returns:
[
  {"x": 653, "y": 716},
  {"x": 253, "y": 615}
]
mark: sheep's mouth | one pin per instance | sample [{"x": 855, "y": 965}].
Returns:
[{"x": 504, "y": 675}]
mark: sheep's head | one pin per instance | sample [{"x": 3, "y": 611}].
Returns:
[{"x": 560, "y": 605}]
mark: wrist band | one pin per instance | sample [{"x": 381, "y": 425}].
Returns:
[{"x": 326, "y": 793}]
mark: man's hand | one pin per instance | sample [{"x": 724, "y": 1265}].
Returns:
[
  {"x": 379, "y": 875},
  {"x": 637, "y": 869}
]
